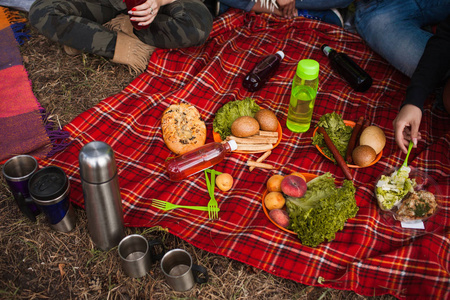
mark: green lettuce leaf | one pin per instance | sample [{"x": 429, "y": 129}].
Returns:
[
  {"x": 338, "y": 132},
  {"x": 226, "y": 115},
  {"x": 323, "y": 210}
]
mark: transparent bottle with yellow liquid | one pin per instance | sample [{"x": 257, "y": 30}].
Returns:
[{"x": 303, "y": 95}]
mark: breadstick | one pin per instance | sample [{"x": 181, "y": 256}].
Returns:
[
  {"x": 261, "y": 158},
  {"x": 254, "y": 147},
  {"x": 252, "y": 163},
  {"x": 268, "y": 133},
  {"x": 254, "y": 139}
]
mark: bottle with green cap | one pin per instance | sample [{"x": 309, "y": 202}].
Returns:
[{"x": 303, "y": 95}]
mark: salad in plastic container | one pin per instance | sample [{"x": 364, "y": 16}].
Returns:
[
  {"x": 392, "y": 188},
  {"x": 409, "y": 196}
]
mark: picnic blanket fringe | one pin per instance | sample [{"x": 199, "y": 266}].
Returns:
[
  {"x": 18, "y": 25},
  {"x": 58, "y": 137},
  {"x": 20, "y": 33}
]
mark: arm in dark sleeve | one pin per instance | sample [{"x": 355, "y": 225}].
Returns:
[{"x": 432, "y": 67}]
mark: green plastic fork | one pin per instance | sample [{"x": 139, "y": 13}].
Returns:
[
  {"x": 213, "y": 206},
  {"x": 164, "y": 205}
]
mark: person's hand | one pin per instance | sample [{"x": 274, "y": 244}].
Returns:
[
  {"x": 406, "y": 126},
  {"x": 287, "y": 8},
  {"x": 146, "y": 12}
]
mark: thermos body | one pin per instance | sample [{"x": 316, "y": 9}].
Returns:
[
  {"x": 101, "y": 194},
  {"x": 104, "y": 213}
]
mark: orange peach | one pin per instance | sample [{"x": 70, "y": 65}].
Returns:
[
  {"x": 274, "y": 183},
  {"x": 274, "y": 200}
]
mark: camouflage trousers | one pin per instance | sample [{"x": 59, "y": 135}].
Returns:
[{"x": 78, "y": 24}]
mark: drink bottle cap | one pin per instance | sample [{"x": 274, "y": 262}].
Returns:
[
  {"x": 308, "y": 69},
  {"x": 281, "y": 54},
  {"x": 232, "y": 144}
]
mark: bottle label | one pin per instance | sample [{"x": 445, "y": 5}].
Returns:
[{"x": 326, "y": 50}]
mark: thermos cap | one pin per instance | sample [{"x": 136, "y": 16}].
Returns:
[
  {"x": 97, "y": 163},
  {"x": 308, "y": 69},
  {"x": 48, "y": 183}
]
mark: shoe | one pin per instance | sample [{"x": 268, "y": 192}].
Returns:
[
  {"x": 331, "y": 16},
  {"x": 132, "y": 52},
  {"x": 71, "y": 51}
]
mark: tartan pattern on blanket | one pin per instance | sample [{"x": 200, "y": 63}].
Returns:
[{"x": 368, "y": 256}]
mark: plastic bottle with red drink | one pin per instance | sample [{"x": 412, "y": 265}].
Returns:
[
  {"x": 198, "y": 159},
  {"x": 265, "y": 69}
]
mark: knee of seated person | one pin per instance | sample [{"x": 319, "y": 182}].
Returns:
[
  {"x": 372, "y": 22},
  {"x": 36, "y": 12}
]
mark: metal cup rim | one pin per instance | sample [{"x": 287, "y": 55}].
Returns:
[
  {"x": 16, "y": 179},
  {"x": 125, "y": 239}
]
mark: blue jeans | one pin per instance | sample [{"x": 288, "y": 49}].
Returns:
[
  {"x": 394, "y": 28},
  {"x": 247, "y": 5}
]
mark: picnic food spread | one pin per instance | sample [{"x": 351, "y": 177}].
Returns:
[
  {"x": 368, "y": 256},
  {"x": 182, "y": 128}
]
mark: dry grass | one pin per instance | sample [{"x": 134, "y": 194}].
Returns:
[{"x": 37, "y": 262}]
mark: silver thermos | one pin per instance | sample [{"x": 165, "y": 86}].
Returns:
[{"x": 101, "y": 194}]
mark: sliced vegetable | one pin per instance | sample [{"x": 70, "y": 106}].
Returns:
[{"x": 393, "y": 188}]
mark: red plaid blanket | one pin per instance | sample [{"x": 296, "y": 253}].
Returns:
[{"x": 368, "y": 256}]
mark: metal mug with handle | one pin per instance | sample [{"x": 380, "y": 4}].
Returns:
[
  {"x": 180, "y": 272},
  {"x": 17, "y": 172},
  {"x": 137, "y": 254}
]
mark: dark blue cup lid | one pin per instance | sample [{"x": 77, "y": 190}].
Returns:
[{"x": 48, "y": 183}]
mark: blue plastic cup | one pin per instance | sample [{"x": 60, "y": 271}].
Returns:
[{"x": 49, "y": 188}]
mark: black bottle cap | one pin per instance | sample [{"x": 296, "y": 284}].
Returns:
[{"x": 48, "y": 183}]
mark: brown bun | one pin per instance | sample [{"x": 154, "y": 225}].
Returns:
[
  {"x": 267, "y": 120},
  {"x": 363, "y": 155},
  {"x": 244, "y": 127},
  {"x": 374, "y": 137},
  {"x": 182, "y": 128}
]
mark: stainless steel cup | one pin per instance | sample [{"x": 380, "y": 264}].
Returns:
[
  {"x": 180, "y": 272},
  {"x": 137, "y": 254},
  {"x": 17, "y": 172}
]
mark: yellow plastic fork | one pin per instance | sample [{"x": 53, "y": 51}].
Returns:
[
  {"x": 213, "y": 206},
  {"x": 164, "y": 205}
]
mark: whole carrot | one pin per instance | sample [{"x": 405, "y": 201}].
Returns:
[{"x": 339, "y": 159}]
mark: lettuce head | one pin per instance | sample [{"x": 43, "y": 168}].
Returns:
[{"x": 322, "y": 211}]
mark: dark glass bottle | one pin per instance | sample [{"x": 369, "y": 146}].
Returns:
[
  {"x": 358, "y": 79},
  {"x": 257, "y": 77}
]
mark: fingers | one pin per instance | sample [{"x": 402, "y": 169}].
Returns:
[
  {"x": 144, "y": 13},
  {"x": 406, "y": 126},
  {"x": 400, "y": 139}
]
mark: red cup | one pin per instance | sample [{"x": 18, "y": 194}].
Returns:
[{"x": 132, "y": 3}]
